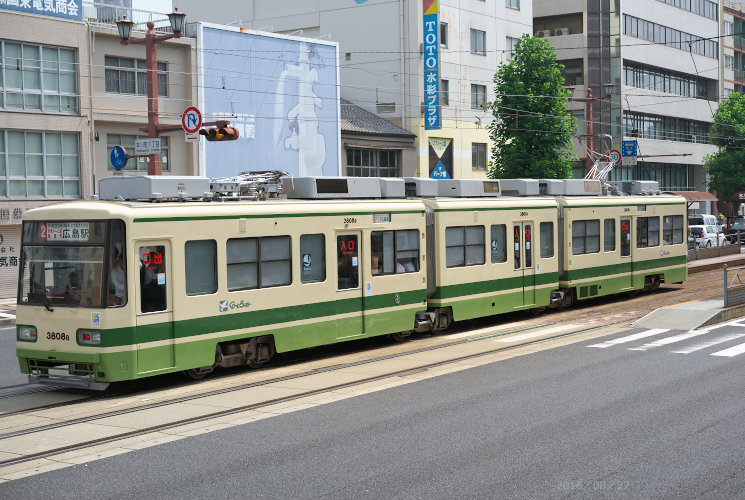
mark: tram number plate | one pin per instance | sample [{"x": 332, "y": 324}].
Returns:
[{"x": 57, "y": 336}]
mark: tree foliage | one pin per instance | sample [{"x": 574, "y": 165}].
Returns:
[
  {"x": 532, "y": 130},
  {"x": 725, "y": 167}
]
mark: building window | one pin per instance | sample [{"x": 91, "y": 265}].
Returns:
[
  {"x": 665, "y": 128},
  {"x": 39, "y": 164},
  {"x": 511, "y": 44},
  {"x": 478, "y": 41},
  {"x": 513, "y": 4},
  {"x": 478, "y": 96},
  {"x": 727, "y": 28},
  {"x": 729, "y": 62},
  {"x": 444, "y": 34},
  {"x": 125, "y": 75},
  {"x": 656, "y": 33},
  {"x": 372, "y": 162},
  {"x": 669, "y": 82},
  {"x": 128, "y": 142},
  {"x": 704, "y": 8},
  {"x": 38, "y": 78},
  {"x": 444, "y": 92},
  {"x": 478, "y": 156}
]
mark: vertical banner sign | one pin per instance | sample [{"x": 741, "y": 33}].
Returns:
[{"x": 431, "y": 66}]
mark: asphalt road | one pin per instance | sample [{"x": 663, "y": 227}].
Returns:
[
  {"x": 573, "y": 422},
  {"x": 10, "y": 373}
]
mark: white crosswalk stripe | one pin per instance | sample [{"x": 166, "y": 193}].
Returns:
[
  {"x": 731, "y": 352},
  {"x": 711, "y": 343},
  {"x": 6, "y": 315},
  {"x": 669, "y": 340},
  {"x": 631, "y": 338},
  {"x": 537, "y": 333}
]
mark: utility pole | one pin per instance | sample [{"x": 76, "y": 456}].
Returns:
[
  {"x": 589, "y": 120},
  {"x": 153, "y": 129}
]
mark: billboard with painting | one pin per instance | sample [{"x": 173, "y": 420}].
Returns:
[{"x": 281, "y": 93}]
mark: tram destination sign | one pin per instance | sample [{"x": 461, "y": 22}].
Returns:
[{"x": 64, "y": 231}]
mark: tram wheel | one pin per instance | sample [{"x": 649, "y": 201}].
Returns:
[
  {"x": 400, "y": 336},
  {"x": 255, "y": 364},
  {"x": 198, "y": 373}
]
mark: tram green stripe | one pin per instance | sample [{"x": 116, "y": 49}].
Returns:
[
  {"x": 626, "y": 267},
  {"x": 249, "y": 319},
  {"x": 270, "y": 216},
  {"x": 478, "y": 287},
  {"x": 494, "y": 209}
]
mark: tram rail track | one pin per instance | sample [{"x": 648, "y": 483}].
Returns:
[{"x": 275, "y": 401}]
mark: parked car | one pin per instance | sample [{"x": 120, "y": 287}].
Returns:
[
  {"x": 735, "y": 226},
  {"x": 702, "y": 220},
  {"x": 708, "y": 236}
]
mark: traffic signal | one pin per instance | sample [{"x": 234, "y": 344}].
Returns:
[{"x": 220, "y": 134}]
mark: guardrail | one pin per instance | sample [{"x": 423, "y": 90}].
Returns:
[
  {"x": 100, "y": 14},
  {"x": 734, "y": 288}
]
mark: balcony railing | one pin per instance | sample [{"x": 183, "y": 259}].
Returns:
[{"x": 99, "y": 14}]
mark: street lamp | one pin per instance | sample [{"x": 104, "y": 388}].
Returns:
[{"x": 153, "y": 129}]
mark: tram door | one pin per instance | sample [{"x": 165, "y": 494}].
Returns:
[
  {"x": 626, "y": 257},
  {"x": 349, "y": 292},
  {"x": 154, "y": 337},
  {"x": 522, "y": 234}
]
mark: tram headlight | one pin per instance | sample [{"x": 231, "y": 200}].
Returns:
[
  {"x": 27, "y": 333},
  {"x": 91, "y": 338}
]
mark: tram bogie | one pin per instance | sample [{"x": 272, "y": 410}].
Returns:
[{"x": 124, "y": 290}]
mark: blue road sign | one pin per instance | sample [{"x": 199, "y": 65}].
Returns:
[
  {"x": 628, "y": 148},
  {"x": 118, "y": 157}
]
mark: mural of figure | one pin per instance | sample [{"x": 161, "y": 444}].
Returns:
[{"x": 304, "y": 134}]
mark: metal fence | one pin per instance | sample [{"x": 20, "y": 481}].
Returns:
[
  {"x": 734, "y": 285},
  {"x": 100, "y": 14}
]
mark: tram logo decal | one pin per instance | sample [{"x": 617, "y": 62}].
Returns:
[{"x": 224, "y": 305}]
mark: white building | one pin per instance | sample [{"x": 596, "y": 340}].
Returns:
[
  {"x": 381, "y": 56},
  {"x": 659, "y": 62}
]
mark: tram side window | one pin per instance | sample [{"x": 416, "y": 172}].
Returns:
[
  {"x": 152, "y": 278},
  {"x": 609, "y": 235},
  {"x": 259, "y": 262},
  {"x": 498, "y": 243},
  {"x": 201, "y": 267},
  {"x": 313, "y": 257},
  {"x": 672, "y": 229},
  {"x": 647, "y": 232},
  {"x": 394, "y": 252},
  {"x": 585, "y": 236},
  {"x": 547, "y": 240},
  {"x": 117, "y": 295},
  {"x": 464, "y": 246}
]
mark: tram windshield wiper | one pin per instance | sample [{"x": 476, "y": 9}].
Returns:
[{"x": 45, "y": 301}]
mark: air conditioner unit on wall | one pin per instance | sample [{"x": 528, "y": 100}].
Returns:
[
  {"x": 543, "y": 33},
  {"x": 561, "y": 31}
]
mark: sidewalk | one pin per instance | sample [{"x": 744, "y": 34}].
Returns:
[{"x": 8, "y": 306}]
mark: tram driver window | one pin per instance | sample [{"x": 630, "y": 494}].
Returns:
[
  {"x": 647, "y": 232},
  {"x": 152, "y": 278}
]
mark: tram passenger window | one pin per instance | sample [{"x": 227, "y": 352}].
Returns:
[
  {"x": 498, "y": 243},
  {"x": 258, "y": 262},
  {"x": 647, "y": 232},
  {"x": 585, "y": 236},
  {"x": 152, "y": 278},
  {"x": 313, "y": 258},
  {"x": 547, "y": 240},
  {"x": 201, "y": 267},
  {"x": 117, "y": 283},
  {"x": 609, "y": 235},
  {"x": 394, "y": 252},
  {"x": 672, "y": 229},
  {"x": 464, "y": 246}
]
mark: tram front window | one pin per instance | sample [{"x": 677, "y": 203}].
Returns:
[
  {"x": 63, "y": 263},
  {"x": 70, "y": 276}
]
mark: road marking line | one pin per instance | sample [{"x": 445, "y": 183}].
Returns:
[
  {"x": 631, "y": 338},
  {"x": 6, "y": 315},
  {"x": 669, "y": 340},
  {"x": 731, "y": 352},
  {"x": 538, "y": 333},
  {"x": 704, "y": 345}
]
